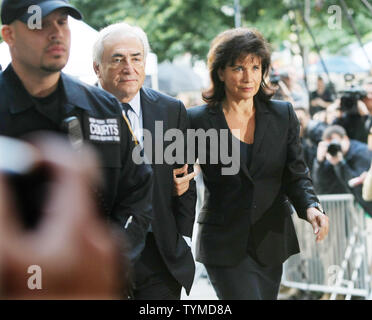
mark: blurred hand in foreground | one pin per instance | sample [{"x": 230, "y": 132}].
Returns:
[{"x": 73, "y": 247}]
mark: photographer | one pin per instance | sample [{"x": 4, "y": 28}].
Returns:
[
  {"x": 354, "y": 112},
  {"x": 367, "y": 99},
  {"x": 277, "y": 79},
  {"x": 289, "y": 88},
  {"x": 338, "y": 160},
  {"x": 311, "y": 132},
  {"x": 321, "y": 98}
]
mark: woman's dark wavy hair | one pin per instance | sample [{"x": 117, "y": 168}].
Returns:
[{"x": 225, "y": 49}]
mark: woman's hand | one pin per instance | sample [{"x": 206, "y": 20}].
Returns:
[{"x": 319, "y": 222}]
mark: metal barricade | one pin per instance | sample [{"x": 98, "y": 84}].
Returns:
[{"x": 339, "y": 264}]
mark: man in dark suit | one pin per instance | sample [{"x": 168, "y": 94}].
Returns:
[{"x": 166, "y": 264}]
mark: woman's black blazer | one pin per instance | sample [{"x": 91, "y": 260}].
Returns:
[{"x": 252, "y": 208}]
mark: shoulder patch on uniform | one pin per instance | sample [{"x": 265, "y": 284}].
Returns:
[{"x": 103, "y": 130}]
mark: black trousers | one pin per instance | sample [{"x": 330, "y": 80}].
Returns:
[
  {"x": 246, "y": 281},
  {"x": 153, "y": 281}
]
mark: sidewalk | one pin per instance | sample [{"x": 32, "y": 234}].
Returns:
[{"x": 201, "y": 290}]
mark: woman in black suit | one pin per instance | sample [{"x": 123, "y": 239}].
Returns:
[{"x": 245, "y": 228}]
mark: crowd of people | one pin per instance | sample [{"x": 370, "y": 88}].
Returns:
[
  {"x": 140, "y": 216},
  {"x": 336, "y": 136}
]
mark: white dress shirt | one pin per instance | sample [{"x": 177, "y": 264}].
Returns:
[{"x": 135, "y": 117}]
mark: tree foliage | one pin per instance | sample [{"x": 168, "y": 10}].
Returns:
[
  {"x": 178, "y": 26},
  {"x": 334, "y": 40}
]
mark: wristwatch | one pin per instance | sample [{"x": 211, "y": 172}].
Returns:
[{"x": 318, "y": 206}]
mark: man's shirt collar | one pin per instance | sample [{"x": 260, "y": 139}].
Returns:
[
  {"x": 135, "y": 104},
  {"x": 20, "y": 100}
]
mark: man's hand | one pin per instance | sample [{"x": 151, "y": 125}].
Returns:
[
  {"x": 319, "y": 102},
  {"x": 362, "y": 108},
  {"x": 181, "y": 180},
  {"x": 335, "y": 160},
  {"x": 322, "y": 151},
  {"x": 319, "y": 222},
  {"x": 357, "y": 181}
]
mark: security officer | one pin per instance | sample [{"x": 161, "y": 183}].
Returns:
[{"x": 36, "y": 95}]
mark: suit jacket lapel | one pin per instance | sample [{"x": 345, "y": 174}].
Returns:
[
  {"x": 263, "y": 118},
  {"x": 150, "y": 114},
  {"x": 218, "y": 121},
  {"x": 217, "y": 118}
]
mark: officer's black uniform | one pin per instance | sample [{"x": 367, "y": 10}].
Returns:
[{"x": 127, "y": 191}]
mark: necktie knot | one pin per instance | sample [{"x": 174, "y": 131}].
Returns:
[{"x": 126, "y": 107}]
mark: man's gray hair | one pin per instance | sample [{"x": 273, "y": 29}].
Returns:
[
  {"x": 121, "y": 28},
  {"x": 335, "y": 129}
]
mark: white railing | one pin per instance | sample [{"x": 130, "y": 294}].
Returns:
[{"x": 339, "y": 264}]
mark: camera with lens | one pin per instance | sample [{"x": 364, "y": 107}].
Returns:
[
  {"x": 349, "y": 99},
  {"x": 350, "y": 96},
  {"x": 274, "y": 78},
  {"x": 333, "y": 148}
]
